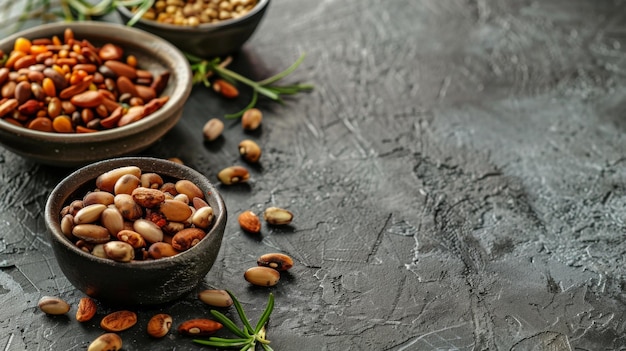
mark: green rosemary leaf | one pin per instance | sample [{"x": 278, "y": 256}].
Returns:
[
  {"x": 284, "y": 73},
  {"x": 253, "y": 101},
  {"x": 266, "y": 314},
  {"x": 241, "y": 313},
  {"x": 229, "y": 324},
  {"x": 141, "y": 10},
  {"x": 228, "y": 343}
]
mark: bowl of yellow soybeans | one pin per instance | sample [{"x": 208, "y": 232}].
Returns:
[{"x": 205, "y": 29}]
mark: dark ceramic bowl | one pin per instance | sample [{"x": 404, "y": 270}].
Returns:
[
  {"x": 63, "y": 149},
  {"x": 205, "y": 40},
  {"x": 135, "y": 282}
]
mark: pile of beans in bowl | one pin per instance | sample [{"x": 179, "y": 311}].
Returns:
[
  {"x": 69, "y": 85},
  {"x": 196, "y": 12},
  {"x": 133, "y": 216}
]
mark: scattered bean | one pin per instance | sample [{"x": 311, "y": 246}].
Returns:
[
  {"x": 118, "y": 321},
  {"x": 233, "y": 175},
  {"x": 53, "y": 305},
  {"x": 277, "y": 216},
  {"x": 251, "y": 119},
  {"x": 277, "y": 261},
  {"x": 225, "y": 88},
  {"x": 215, "y": 297},
  {"x": 106, "y": 342},
  {"x": 199, "y": 327},
  {"x": 213, "y": 129},
  {"x": 262, "y": 276},
  {"x": 250, "y": 150},
  {"x": 159, "y": 325},
  {"x": 86, "y": 309},
  {"x": 249, "y": 222}
]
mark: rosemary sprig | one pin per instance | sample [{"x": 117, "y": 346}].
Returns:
[
  {"x": 202, "y": 69},
  {"x": 248, "y": 337}
]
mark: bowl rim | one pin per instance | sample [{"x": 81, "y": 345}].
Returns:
[
  {"x": 149, "y": 43},
  {"x": 261, "y": 5},
  {"x": 77, "y": 180}
]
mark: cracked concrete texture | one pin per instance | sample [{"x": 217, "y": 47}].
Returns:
[{"x": 457, "y": 178}]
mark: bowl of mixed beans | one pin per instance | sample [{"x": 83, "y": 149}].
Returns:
[
  {"x": 135, "y": 230},
  {"x": 75, "y": 93},
  {"x": 203, "y": 28}
]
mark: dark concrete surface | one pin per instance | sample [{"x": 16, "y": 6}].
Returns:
[{"x": 457, "y": 176}]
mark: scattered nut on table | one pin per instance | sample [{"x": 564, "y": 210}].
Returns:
[
  {"x": 106, "y": 342},
  {"x": 53, "y": 305},
  {"x": 249, "y": 222},
  {"x": 277, "y": 261},
  {"x": 215, "y": 297},
  {"x": 159, "y": 325},
  {"x": 277, "y": 216},
  {"x": 262, "y": 276}
]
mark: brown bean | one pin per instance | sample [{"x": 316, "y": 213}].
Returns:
[
  {"x": 91, "y": 233},
  {"x": 42, "y": 124},
  {"x": 277, "y": 261},
  {"x": 133, "y": 114},
  {"x": 233, "y": 175},
  {"x": 215, "y": 297},
  {"x": 8, "y": 89},
  {"x": 86, "y": 309},
  {"x": 159, "y": 325},
  {"x": 126, "y": 86},
  {"x": 106, "y": 342},
  {"x": 121, "y": 69},
  {"x": 89, "y": 98},
  {"x": 126, "y": 184},
  {"x": 118, "y": 321},
  {"x": 188, "y": 188},
  {"x": 187, "y": 238},
  {"x": 29, "y": 107},
  {"x": 132, "y": 238},
  {"x": 262, "y": 276},
  {"x": 127, "y": 206},
  {"x": 161, "y": 249},
  {"x": 76, "y": 89},
  {"x": 199, "y": 327},
  {"x": 148, "y": 197},
  {"x": 107, "y": 180},
  {"x": 8, "y": 106},
  {"x": 98, "y": 197},
  {"x": 151, "y": 180},
  {"x": 22, "y": 92},
  {"x": 249, "y": 222},
  {"x": 53, "y": 305},
  {"x": 175, "y": 210}
]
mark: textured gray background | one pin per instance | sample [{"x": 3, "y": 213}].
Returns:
[{"x": 457, "y": 177}]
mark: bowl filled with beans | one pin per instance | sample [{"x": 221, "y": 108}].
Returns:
[
  {"x": 75, "y": 93},
  {"x": 203, "y": 28},
  {"x": 135, "y": 230}
]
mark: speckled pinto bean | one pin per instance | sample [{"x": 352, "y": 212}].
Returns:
[
  {"x": 131, "y": 215},
  {"x": 68, "y": 85}
]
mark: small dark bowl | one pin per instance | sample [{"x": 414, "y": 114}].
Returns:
[
  {"x": 206, "y": 40},
  {"x": 136, "y": 282},
  {"x": 77, "y": 149}
]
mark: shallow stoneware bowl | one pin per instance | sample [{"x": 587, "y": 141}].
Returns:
[
  {"x": 205, "y": 40},
  {"x": 136, "y": 282},
  {"x": 76, "y": 149}
]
